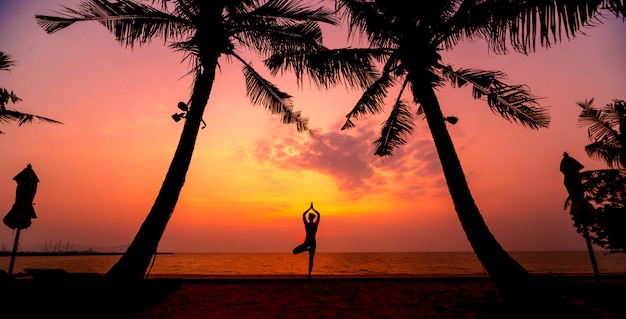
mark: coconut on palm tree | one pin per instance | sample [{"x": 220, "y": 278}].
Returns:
[
  {"x": 407, "y": 41},
  {"x": 6, "y": 97},
  {"x": 208, "y": 33}
]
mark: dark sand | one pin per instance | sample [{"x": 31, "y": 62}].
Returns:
[{"x": 290, "y": 297}]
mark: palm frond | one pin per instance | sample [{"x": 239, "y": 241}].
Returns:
[
  {"x": 618, "y": 7},
  {"x": 604, "y": 184},
  {"x": 513, "y": 102},
  {"x": 238, "y": 6},
  {"x": 601, "y": 122},
  {"x": 6, "y": 97},
  {"x": 327, "y": 68},
  {"x": 279, "y": 26},
  {"x": 371, "y": 102},
  {"x": 293, "y": 10},
  {"x": 470, "y": 21},
  {"x": 266, "y": 94},
  {"x": 275, "y": 39},
  {"x": 130, "y": 22},
  {"x": 363, "y": 17},
  {"x": 396, "y": 129},
  {"x": 7, "y": 115},
  {"x": 528, "y": 23},
  {"x": 6, "y": 62},
  {"x": 604, "y": 127},
  {"x": 23, "y": 118},
  {"x": 607, "y": 151}
]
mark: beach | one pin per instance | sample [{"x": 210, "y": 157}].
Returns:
[
  {"x": 328, "y": 298},
  {"x": 295, "y": 297}
]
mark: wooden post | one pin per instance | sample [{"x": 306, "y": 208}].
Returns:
[
  {"x": 596, "y": 272},
  {"x": 17, "y": 238}
]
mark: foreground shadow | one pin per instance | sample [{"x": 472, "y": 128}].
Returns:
[{"x": 55, "y": 293}]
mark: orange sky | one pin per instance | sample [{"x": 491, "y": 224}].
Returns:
[{"x": 251, "y": 177}]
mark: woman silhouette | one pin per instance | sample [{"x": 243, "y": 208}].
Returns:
[{"x": 310, "y": 227}]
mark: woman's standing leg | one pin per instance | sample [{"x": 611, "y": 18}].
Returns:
[{"x": 311, "y": 256}]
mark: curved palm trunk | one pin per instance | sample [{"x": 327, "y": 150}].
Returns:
[
  {"x": 500, "y": 266},
  {"x": 133, "y": 264},
  {"x": 515, "y": 285}
]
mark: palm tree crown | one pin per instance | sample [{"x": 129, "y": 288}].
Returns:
[
  {"x": 606, "y": 127},
  {"x": 205, "y": 31},
  {"x": 409, "y": 42}
]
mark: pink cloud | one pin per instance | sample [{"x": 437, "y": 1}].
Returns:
[{"x": 347, "y": 157}]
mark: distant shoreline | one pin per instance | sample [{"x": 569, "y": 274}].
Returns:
[{"x": 66, "y": 253}]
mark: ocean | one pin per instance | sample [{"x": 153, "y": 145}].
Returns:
[{"x": 341, "y": 264}]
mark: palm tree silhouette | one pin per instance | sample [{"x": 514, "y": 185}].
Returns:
[
  {"x": 606, "y": 128},
  {"x": 6, "y": 96},
  {"x": 207, "y": 32},
  {"x": 607, "y": 131},
  {"x": 407, "y": 43}
]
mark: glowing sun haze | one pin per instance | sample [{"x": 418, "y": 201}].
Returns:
[{"x": 251, "y": 177}]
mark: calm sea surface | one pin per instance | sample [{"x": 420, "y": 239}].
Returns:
[{"x": 368, "y": 264}]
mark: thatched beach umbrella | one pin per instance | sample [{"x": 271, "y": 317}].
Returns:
[{"x": 20, "y": 215}]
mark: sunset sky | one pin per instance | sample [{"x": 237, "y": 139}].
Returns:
[{"x": 251, "y": 177}]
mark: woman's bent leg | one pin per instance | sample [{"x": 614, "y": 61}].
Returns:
[{"x": 300, "y": 249}]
